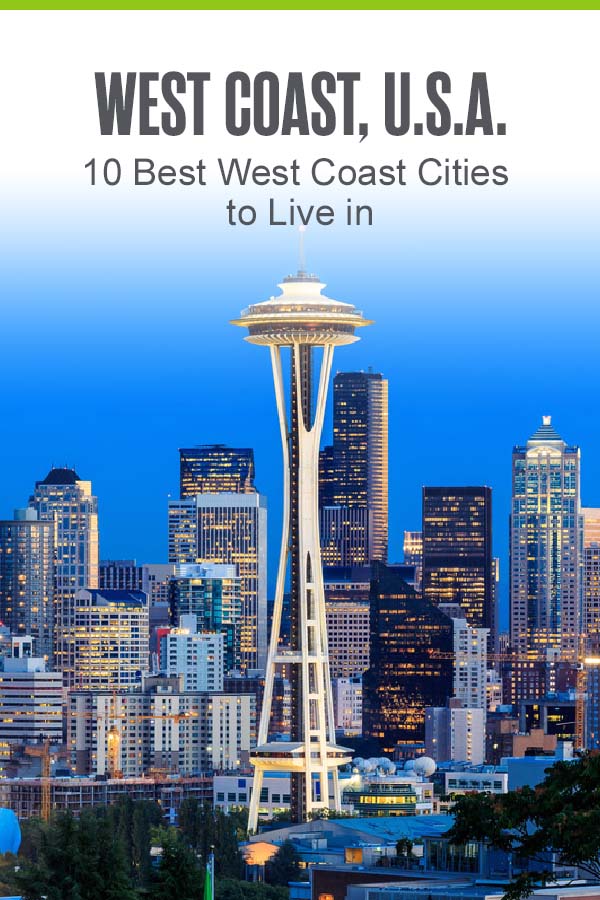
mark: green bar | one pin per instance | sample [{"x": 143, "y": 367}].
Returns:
[{"x": 307, "y": 4}]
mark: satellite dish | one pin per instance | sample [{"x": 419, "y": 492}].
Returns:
[{"x": 425, "y": 766}]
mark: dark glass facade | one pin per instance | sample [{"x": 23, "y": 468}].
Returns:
[
  {"x": 457, "y": 551},
  {"x": 353, "y": 472},
  {"x": 411, "y": 665},
  {"x": 216, "y": 469},
  {"x": 27, "y": 580},
  {"x": 216, "y": 604}
]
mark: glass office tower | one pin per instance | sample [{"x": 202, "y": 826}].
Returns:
[
  {"x": 457, "y": 551},
  {"x": 214, "y": 469},
  {"x": 546, "y": 537},
  {"x": 353, "y": 472}
]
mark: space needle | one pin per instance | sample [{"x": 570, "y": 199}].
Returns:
[{"x": 311, "y": 325}]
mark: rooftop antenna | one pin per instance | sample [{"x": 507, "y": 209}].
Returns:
[{"x": 301, "y": 258}]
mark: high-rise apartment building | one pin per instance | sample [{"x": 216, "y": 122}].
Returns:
[
  {"x": 216, "y": 469},
  {"x": 64, "y": 499},
  {"x": 30, "y": 699},
  {"x": 590, "y": 621},
  {"x": 457, "y": 551},
  {"x": 120, "y": 575},
  {"x": 159, "y": 728},
  {"x": 455, "y": 733},
  {"x": 229, "y": 529},
  {"x": 347, "y": 704},
  {"x": 197, "y": 657},
  {"x": 353, "y": 472},
  {"x": 27, "y": 579},
  {"x": 470, "y": 659},
  {"x": 347, "y": 617},
  {"x": 411, "y": 667},
  {"x": 126, "y": 575},
  {"x": 212, "y": 594},
  {"x": 106, "y": 637},
  {"x": 546, "y": 545}
]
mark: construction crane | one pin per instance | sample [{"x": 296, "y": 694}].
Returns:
[
  {"x": 113, "y": 736},
  {"x": 582, "y": 665},
  {"x": 45, "y": 754}
]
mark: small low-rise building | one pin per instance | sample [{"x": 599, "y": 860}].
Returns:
[
  {"x": 24, "y": 795},
  {"x": 232, "y": 792}
]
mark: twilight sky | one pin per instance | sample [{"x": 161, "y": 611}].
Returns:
[{"x": 115, "y": 343}]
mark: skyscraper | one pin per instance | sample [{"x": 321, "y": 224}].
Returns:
[
  {"x": 411, "y": 662},
  {"x": 105, "y": 637},
  {"x": 590, "y": 623},
  {"x": 353, "y": 472},
  {"x": 27, "y": 579},
  {"x": 457, "y": 551},
  {"x": 64, "y": 499},
  {"x": 230, "y": 529},
  {"x": 545, "y": 545},
  {"x": 301, "y": 318},
  {"x": 470, "y": 659},
  {"x": 211, "y": 593},
  {"x": 413, "y": 554},
  {"x": 215, "y": 469}
]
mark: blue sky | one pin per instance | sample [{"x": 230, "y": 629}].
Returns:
[{"x": 117, "y": 351}]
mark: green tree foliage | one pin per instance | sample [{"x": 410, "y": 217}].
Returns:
[
  {"x": 284, "y": 865},
  {"x": 179, "y": 876},
  {"x": 232, "y": 889},
  {"x": 74, "y": 860},
  {"x": 560, "y": 817},
  {"x": 203, "y": 827},
  {"x": 105, "y": 854}
]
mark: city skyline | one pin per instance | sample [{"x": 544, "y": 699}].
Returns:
[
  {"x": 467, "y": 392},
  {"x": 500, "y": 534}
]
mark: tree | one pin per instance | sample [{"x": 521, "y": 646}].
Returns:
[
  {"x": 403, "y": 849},
  {"x": 203, "y": 827},
  {"x": 232, "y": 889},
  {"x": 74, "y": 859},
  {"x": 559, "y": 818},
  {"x": 284, "y": 865},
  {"x": 179, "y": 877}
]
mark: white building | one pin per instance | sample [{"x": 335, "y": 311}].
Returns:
[
  {"x": 455, "y": 732},
  {"x": 234, "y": 792},
  {"x": 485, "y": 779},
  {"x": 347, "y": 704},
  {"x": 160, "y": 729},
  {"x": 493, "y": 690},
  {"x": 199, "y": 658},
  {"x": 470, "y": 658},
  {"x": 30, "y": 699}
]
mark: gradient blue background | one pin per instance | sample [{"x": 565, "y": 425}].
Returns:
[{"x": 116, "y": 350}]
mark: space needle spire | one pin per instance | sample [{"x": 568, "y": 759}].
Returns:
[{"x": 302, "y": 320}]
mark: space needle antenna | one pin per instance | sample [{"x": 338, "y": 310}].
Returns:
[{"x": 301, "y": 254}]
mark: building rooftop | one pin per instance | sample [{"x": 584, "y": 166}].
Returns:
[
  {"x": 546, "y": 432},
  {"x": 391, "y": 828},
  {"x": 116, "y": 597},
  {"x": 60, "y": 476}
]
